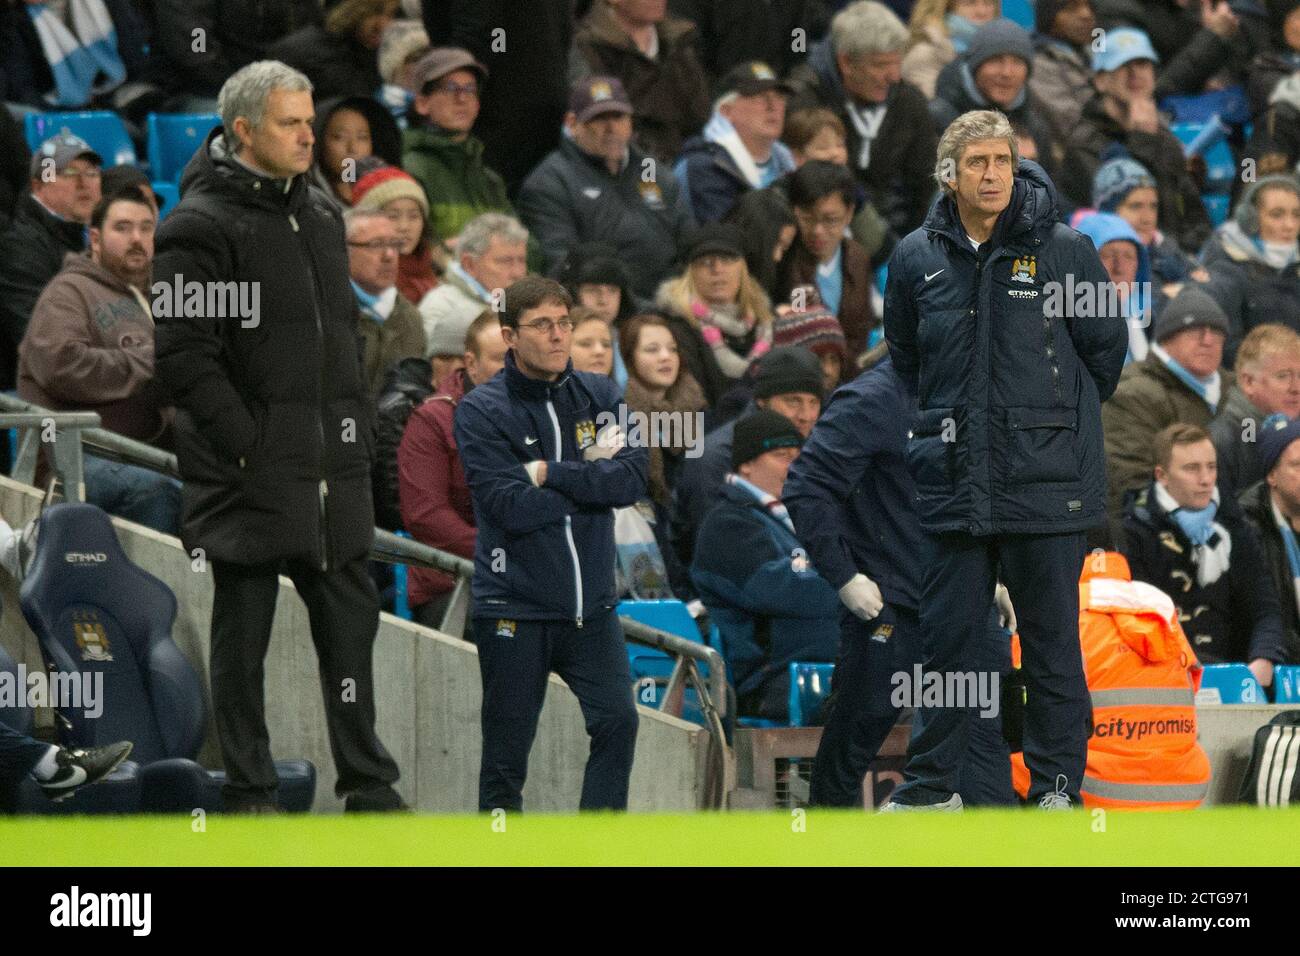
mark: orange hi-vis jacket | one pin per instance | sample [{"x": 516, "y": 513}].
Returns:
[{"x": 1143, "y": 676}]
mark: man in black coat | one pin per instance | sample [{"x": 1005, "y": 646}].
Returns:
[
  {"x": 1182, "y": 538},
  {"x": 984, "y": 317},
  {"x": 274, "y": 426},
  {"x": 1272, "y": 508},
  {"x": 857, "y": 73},
  {"x": 49, "y": 222}
]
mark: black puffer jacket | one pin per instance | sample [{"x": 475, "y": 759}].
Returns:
[
  {"x": 408, "y": 383},
  {"x": 1258, "y": 507},
  {"x": 274, "y": 422},
  {"x": 1008, "y": 436},
  {"x": 31, "y": 254}
]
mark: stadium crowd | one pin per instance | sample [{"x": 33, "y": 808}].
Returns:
[{"x": 718, "y": 189}]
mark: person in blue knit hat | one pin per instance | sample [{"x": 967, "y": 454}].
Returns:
[{"x": 1272, "y": 507}]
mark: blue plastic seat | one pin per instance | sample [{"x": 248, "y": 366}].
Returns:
[
  {"x": 103, "y": 130},
  {"x": 173, "y": 139},
  {"x": 1217, "y": 207},
  {"x": 1019, "y": 11},
  {"x": 1220, "y": 164},
  {"x": 95, "y": 612},
  {"x": 1286, "y": 684},
  {"x": 1229, "y": 684},
  {"x": 810, "y": 686},
  {"x": 168, "y": 196}
]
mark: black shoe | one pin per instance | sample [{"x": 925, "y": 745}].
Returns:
[
  {"x": 253, "y": 808},
  {"x": 81, "y": 768},
  {"x": 376, "y": 800}
]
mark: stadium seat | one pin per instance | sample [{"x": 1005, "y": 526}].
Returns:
[
  {"x": 168, "y": 196},
  {"x": 1220, "y": 164},
  {"x": 1286, "y": 684},
  {"x": 1019, "y": 11},
  {"x": 1229, "y": 684},
  {"x": 172, "y": 140},
  {"x": 1217, "y": 206},
  {"x": 810, "y": 686},
  {"x": 401, "y": 604},
  {"x": 1229, "y": 104},
  {"x": 96, "y": 612},
  {"x": 118, "y": 793},
  {"x": 102, "y": 129}
]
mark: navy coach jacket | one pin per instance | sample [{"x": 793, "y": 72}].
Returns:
[
  {"x": 544, "y": 553},
  {"x": 1007, "y": 438},
  {"x": 849, "y": 492}
]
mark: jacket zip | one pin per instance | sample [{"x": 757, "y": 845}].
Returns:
[
  {"x": 323, "y": 489},
  {"x": 568, "y": 525}
]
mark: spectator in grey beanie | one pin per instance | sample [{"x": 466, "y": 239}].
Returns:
[{"x": 1126, "y": 187}]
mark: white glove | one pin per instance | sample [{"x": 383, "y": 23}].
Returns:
[
  {"x": 533, "y": 468},
  {"x": 609, "y": 443},
  {"x": 1006, "y": 613},
  {"x": 862, "y": 597}
]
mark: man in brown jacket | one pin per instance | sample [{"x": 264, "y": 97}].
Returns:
[
  {"x": 656, "y": 56},
  {"x": 90, "y": 347},
  {"x": 1179, "y": 381},
  {"x": 390, "y": 327}
]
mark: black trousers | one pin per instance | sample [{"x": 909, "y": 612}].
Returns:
[
  {"x": 1041, "y": 572},
  {"x": 18, "y": 755},
  {"x": 515, "y": 659},
  {"x": 862, "y": 711},
  {"x": 343, "y": 608}
]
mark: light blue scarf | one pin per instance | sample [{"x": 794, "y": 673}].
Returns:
[
  {"x": 1207, "y": 388},
  {"x": 960, "y": 31},
  {"x": 773, "y": 505}
]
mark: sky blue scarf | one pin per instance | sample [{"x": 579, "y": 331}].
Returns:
[
  {"x": 960, "y": 31},
  {"x": 773, "y": 505}
]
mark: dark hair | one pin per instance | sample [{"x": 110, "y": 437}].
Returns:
[
  {"x": 117, "y": 178},
  {"x": 481, "y": 321},
  {"x": 629, "y": 332},
  {"x": 528, "y": 293},
  {"x": 816, "y": 179},
  {"x": 1179, "y": 433},
  {"x": 123, "y": 194},
  {"x": 761, "y": 214}
]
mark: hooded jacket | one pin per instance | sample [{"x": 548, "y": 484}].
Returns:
[
  {"x": 385, "y": 137},
  {"x": 572, "y": 198},
  {"x": 1250, "y": 289},
  {"x": 899, "y": 178},
  {"x": 1008, "y": 436},
  {"x": 89, "y": 347},
  {"x": 458, "y": 183},
  {"x": 274, "y": 422},
  {"x": 1102, "y": 228},
  {"x": 770, "y": 608},
  {"x": 669, "y": 93},
  {"x": 715, "y": 169},
  {"x": 1236, "y": 618},
  {"x": 544, "y": 553},
  {"x": 31, "y": 254}
]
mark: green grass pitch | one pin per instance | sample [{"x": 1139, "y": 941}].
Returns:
[{"x": 1227, "y": 836}]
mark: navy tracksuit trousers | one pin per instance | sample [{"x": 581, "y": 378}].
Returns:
[
  {"x": 1041, "y": 572},
  {"x": 18, "y": 755},
  {"x": 861, "y": 712},
  {"x": 515, "y": 663}
]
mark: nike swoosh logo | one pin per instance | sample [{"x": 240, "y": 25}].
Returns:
[
  {"x": 76, "y": 776},
  {"x": 932, "y": 275},
  {"x": 530, "y": 441}
]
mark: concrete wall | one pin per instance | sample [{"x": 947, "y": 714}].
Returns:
[{"x": 427, "y": 689}]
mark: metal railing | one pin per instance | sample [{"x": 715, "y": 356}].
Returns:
[{"x": 41, "y": 428}]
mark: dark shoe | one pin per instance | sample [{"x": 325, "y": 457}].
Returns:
[
  {"x": 81, "y": 768},
  {"x": 376, "y": 800}
]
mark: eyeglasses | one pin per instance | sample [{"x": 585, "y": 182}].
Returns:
[
  {"x": 456, "y": 89},
  {"x": 830, "y": 223},
  {"x": 379, "y": 245},
  {"x": 91, "y": 173},
  {"x": 547, "y": 326}
]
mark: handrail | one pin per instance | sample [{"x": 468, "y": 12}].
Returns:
[{"x": 386, "y": 547}]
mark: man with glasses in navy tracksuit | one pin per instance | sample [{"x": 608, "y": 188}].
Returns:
[{"x": 545, "y": 468}]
